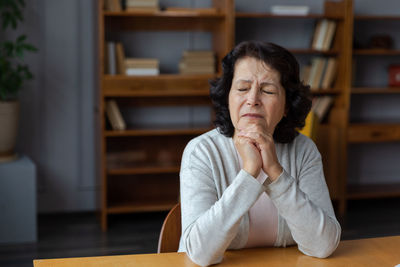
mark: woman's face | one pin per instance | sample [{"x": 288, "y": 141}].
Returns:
[{"x": 256, "y": 95}]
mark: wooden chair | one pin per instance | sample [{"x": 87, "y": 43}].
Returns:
[{"x": 170, "y": 231}]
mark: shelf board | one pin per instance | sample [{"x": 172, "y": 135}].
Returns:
[
  {"x": 249, "y": 15},
  {"x": 373, "y": 132},
  {"x": 312, "y": 51},
  {"x": 143, "y": 170},
  {"x": 177, "y": 130},
  {"x": 189, "y": 13},
  {"x": 375, "y": 90},
  {"x": 325, "y": 92},
  {"x": 373, "y": 191},
  {"x": 377, "y": 52},
  {"x": 165, "y": 84},
  {"x": 376, "y": 17},
  {"x": 141, "y": 206}
]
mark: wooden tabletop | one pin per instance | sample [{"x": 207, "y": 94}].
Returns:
[{"x": 363, "y": 252}]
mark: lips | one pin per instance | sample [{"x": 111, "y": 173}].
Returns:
[{"x": 253, "y": 115}]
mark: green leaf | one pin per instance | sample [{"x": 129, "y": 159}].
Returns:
[{"x": 21, "y": 38}]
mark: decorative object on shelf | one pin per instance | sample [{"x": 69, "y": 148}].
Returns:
[
  {"x": 394, "y": 75},
  {"x": 381, "y": 41},
  {"x": 13, "y": 74},
  {"x": 290, "y": 10}
]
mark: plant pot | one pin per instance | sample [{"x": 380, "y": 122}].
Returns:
[{"x": 9, "y": 113}]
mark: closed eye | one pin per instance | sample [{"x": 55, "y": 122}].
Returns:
[
  {"x": 269, "y": 92},
  {"x": 243, "y": 89}
]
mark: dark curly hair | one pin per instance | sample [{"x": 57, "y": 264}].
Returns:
[{"x": 298, "y": 97}]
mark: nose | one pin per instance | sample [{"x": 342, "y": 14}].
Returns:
[{"x": 253, "y": 96}]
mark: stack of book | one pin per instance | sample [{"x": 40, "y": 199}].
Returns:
[
  {"x": 142, "y": 66},
  {"x": 323, "y": 35},
  {"x": 142, "y": 5},
  {"x": 197, "y": 62},
  {"x": 321, "y": 74}
]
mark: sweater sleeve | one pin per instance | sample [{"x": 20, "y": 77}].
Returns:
[
  {"x": 306, "y": 206},
  {"x": 211, "y": 219}
]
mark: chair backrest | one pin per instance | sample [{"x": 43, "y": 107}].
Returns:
[{"x": 170, "y": 231}]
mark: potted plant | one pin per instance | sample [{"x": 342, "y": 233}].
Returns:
[{"x": 13, "y": 74}]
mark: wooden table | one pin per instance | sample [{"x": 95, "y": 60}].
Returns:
[{"x": 363, "y": 252}]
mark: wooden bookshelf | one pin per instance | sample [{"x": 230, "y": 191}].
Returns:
[
  {"x": 331, "y": 138},
  {"x": 374, "y": 132},
  {"x": 140, "y": 165}
]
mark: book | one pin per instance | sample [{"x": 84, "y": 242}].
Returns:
[
  {"x": 316, "y": 71},
  {"x": 328, "y": 37},
  {"x": 151, "y": 63},
  {"x": 142, "y": 71},
  {"x": 290, "y": 10},
  {"x": 197, "y": 62},
  {"x": 329, "y": 74},
  {"x": 112, "y": 5},
  {"x": 319, "y": 34},
  {"x": 141, "y": 3},
  {"x": 305, "y": 74},
  {"x": 120, "y": 57},
  {"x": 322, "y": 106},
  {"x": 114, "y": 115},
  {"x": 111, "y": 59}
]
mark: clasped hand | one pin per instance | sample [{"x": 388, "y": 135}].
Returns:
[{"x": 255, "y": 144}]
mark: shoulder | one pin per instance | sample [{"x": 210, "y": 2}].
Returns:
[
  {"x": 306, "y": 148},
  {"x": 206, "y": 144},
  {"x": 303, "y": 147},
  {"x": 209, "y": 139}
]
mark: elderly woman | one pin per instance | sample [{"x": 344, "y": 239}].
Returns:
[{"x": 254, "y": 181}]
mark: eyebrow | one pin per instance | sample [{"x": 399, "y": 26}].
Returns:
[{"x": 262, "y": 84}]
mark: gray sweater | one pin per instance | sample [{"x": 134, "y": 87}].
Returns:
[{"x": 216, "y": 196}]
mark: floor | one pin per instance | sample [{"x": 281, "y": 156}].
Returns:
[{"x": 79, "y": 235}]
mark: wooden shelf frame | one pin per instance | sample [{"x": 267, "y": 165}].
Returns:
[
  {"x": 376, "y": 52},
  {"x": 375, "y": 90},
  {"x": 176, "y": 86},
  {"x": 167, "y": 131},
  {"x": 373, "y": 191},
  {"x": 373, "y": 132},
  {"x": 141, "y": 206},
  {"x": 152, "y": 86},
  {"x": 260, "y": 15},
  {"x": 189, "y": 13},
  {"x": 160, "y": 90}
]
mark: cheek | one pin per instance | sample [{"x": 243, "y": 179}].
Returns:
[{"x": 233, "y": 109}]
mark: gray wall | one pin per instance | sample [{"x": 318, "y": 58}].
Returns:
[{"x": 58, "y": 108}]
